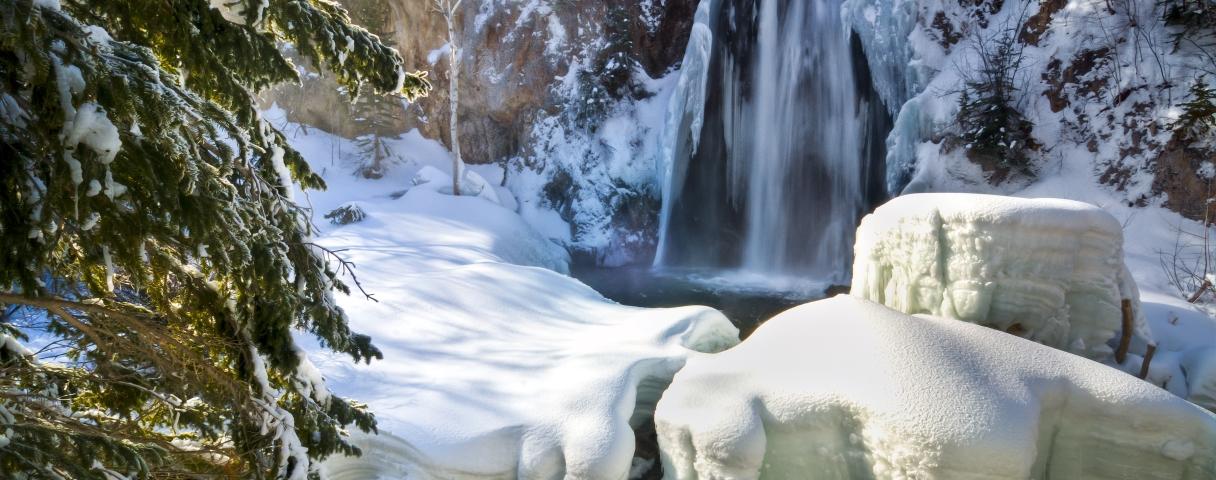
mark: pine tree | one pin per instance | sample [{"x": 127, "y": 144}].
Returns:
[
  {"x": 147, "y": 227},
  {"x": 376, "y": 116},
  {"x": 609, "y": 75},
  {"x": 988, "y": 118},
  {"x": 1197, "y": 123}
]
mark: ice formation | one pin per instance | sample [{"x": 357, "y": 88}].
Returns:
[
  {"x": 845, "y": 388},
  {"x": 685, "y": 116},
  {"x": 1047, "y": 269}
]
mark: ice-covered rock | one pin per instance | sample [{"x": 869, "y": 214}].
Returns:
[
  {"x": 845, "y": 388},
  {"x": 495, "y": 365},
  {"x": 1047, "y": 269}
]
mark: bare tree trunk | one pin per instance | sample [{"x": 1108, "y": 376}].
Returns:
[
  {"x": 1125, "y": 340},
  {"x": 448, "y": 9},
  {"x": 1148, "y": 359}
]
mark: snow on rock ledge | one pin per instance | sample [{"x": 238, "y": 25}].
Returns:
[
  {"x": 846, "y": 388},
  {"x": 495, "y": 365},
  {"x": 1049, "y": 270}
]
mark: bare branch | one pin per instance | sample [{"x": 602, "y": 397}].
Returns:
[{"x": 345, "y": 267}]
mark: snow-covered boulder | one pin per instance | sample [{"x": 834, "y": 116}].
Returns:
[
  {"x": 1047, "y": 269},
  {"x": 845, "y": 388},
  {"x": 495, "y": 364}
]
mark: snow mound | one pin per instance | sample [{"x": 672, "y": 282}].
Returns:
[
  {"x": 1200, "y": 368},
  {"x": 1047, "y": 269},
  {"x": 496, "y": 365},
  {"x": 845, "y": 388}
]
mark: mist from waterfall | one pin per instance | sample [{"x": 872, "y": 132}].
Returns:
[{"x": 785, "y": 136}]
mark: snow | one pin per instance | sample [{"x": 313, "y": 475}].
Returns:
[
  {"x": 557, "y": 36},
  {"x": 492, "y": 365},
  {"x": 236, "y": 11},
  {"x": 496, "y": 364},
  {"x": 94, "y": 129},
  {"x": 846, "y": 388},
  {"x": 433, "y": 56},
  {"x": 1150, "y": 232},
  {"x": 11, "y": 111},
  {"x": 605, "y": 167},
  {"x": 1052, "y": 269},
  {"x": 281, "y": 172},
  {"x": 1200, "y": 368}
]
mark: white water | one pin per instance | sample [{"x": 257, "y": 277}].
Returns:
[
  {"x": 794, "y": 132},
  {"x": 805, "y": 111}
]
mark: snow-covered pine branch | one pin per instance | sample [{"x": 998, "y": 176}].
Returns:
[{"x": 146, "y": 216}]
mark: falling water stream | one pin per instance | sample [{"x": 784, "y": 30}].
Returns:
[
  {"x": 773, "y": 149},
  {"x": 773, "y": 144}
]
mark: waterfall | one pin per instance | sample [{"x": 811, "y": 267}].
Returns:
[{"x": 773, "y": 146}]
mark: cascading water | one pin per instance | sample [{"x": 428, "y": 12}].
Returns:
[{"x": 773, "y": 148}]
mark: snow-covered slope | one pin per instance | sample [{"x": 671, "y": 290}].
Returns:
[
  {"x": 1050, "y": 270},
  {"x": 495, "y": 365},
  {"x": 1101, "y": 81},
  {"x": 845, "y": 388}
]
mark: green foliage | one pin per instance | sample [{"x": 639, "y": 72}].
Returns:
[
  {"x": 146, "y": 223},
  {"x": 346, "y": 215},
  {"x": 1197, "y": 123},
  {"x": 989, "y": 120}
]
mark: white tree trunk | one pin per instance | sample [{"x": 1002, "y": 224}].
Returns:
[{"x": 449, "y": 14}]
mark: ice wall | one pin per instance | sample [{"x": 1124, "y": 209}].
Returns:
[
  {"x": 883, "y": 27},
  {"x": 685, "y": 117},
  {"x": 1046, "y": 269}
]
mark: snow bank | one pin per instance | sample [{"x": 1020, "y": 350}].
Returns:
[
  {"x": 846, "y": 388},
  {"x": 495, "y": 365},
  {"x": 1200, "y": 368},
  {"x": 1050, "y": 270}
]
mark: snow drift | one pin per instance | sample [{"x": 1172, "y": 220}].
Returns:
[
  {"x": 495, "y": 365},
  {"x": 1049, "y": 270},
  {"x": 846, "y": 388}
]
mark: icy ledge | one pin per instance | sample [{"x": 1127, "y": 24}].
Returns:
[
  {"x": 1046, "y": 269},
  {"x": 495, "y": 365},
  {"x": 845, "y": 388}
]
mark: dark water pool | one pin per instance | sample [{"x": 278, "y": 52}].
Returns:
[{"x": 748, "y": 299}]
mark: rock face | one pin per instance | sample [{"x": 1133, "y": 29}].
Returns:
[
  {"x": 540, "y": 82},
  {"x": 514, "y": 54}
]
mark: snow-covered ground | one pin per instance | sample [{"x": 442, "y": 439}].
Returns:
[
  {"x": 496, "y": 365},
  {"x": 845, "y": 388}
]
